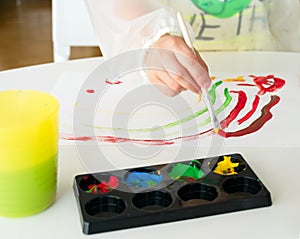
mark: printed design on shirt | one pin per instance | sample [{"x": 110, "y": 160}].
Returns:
[
  {"x": 244, "y": 27},
  {"x": 221, "y": 8}
]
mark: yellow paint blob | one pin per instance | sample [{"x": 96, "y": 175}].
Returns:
[
  {"x": 199, "y": 98},
  {"x": 226, "y": 167},
  {"x": 216, "y": 130}
]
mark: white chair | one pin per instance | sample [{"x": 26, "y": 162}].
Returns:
[{"x": 71, "y": 26}]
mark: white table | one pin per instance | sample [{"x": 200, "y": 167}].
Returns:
[{"x": 278, "y": 168}]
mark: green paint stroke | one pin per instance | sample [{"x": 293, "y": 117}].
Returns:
[
  {"x": 212, "y": 91},
  {"x": 191, "y": 172},
  {"x": 227, "y": 101},
  {"x": 212, "y": 94}
]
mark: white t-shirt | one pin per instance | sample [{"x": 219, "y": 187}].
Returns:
[{"x": 123, "y": 25}]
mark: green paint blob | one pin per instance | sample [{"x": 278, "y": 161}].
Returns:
[
  {"x": 28, "y": 191},
  {"x": 221, "y": 8},
  {"x": 190, "y": 171}
]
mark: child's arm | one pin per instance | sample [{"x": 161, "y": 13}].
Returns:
[{"x": 125, "y": 25}]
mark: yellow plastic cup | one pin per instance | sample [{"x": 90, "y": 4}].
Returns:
[{"x": 28, "y": 152}]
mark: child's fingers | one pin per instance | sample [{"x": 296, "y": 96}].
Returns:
[
  {"x": 201, "y": 61},
  {"x": 180, "y": 79},
  {"x": 198, "y": 73},
  {"x": 164, "y": 83},
  {"x": 176, "y": 66},
  {"x": 167, "y": 79},
  {"x": 177, "y": 72}
]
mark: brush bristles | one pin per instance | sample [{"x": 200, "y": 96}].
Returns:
[{"x": 217, "y": 130}]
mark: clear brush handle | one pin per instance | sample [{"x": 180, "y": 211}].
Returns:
[{"x": 205, "y": 96}]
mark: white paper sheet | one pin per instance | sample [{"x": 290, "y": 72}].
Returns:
[{"x": 123, "y": 110}]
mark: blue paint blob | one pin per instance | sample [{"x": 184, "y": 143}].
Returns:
[{"x": 143, "y": 179}]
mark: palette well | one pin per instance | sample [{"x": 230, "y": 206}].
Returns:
[{"x": 155, "y": 194}]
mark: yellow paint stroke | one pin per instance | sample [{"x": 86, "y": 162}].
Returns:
[
  {"x": 226, "y": 167},
  {"x": 237, "y": 79},
  {"x": 212, "y": 77}
]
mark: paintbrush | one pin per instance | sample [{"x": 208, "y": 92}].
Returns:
[{"x": 205, "y": 96}]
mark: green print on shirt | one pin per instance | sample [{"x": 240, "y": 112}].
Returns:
[{"x": 221, "y": 8}]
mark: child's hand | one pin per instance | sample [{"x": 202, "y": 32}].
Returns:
[{"x": 172, "y": 65}]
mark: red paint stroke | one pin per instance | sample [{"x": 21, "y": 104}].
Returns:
[
  {"x": 80, "y": 138},
  {"x": 251, "y": 112},
  {"x": 268, "y": 83},
  {"x": 90, "y": 91},
  {"x": 265, "y": 116},
  {"x": 245, "y": 84},
  {"x": 242, "y": 99},
  {"x": 113, "y": 83},
  {"x": 112, "y": 139}
]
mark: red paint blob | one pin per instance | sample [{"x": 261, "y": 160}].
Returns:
[
  {"x": 108, "y": 186},
  {"x": 104, "y": 187},
  {"x": 90, "y": 91},
  {"x": 268, "y": 83}
]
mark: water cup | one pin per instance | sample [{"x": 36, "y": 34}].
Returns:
[{"x": 28, "y": 152}]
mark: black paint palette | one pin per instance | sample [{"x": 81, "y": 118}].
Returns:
[{"x": 150, "y": 195}]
